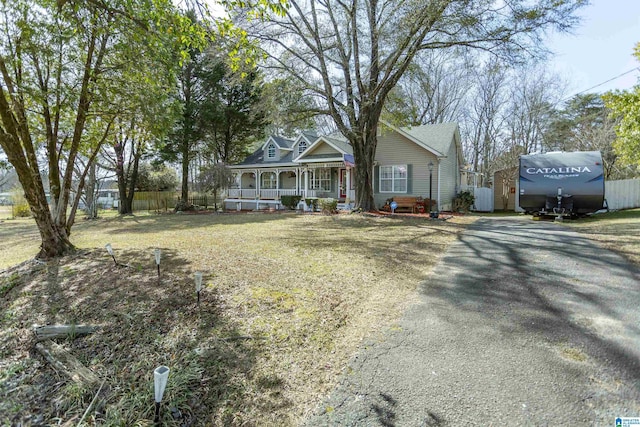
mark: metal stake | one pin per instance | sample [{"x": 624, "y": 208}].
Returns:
[
  {"x": 156, "y": 419},
  {"x": 110, "y": 251}
]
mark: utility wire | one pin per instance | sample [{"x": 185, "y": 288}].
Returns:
[{"x": 603, "y": 83}]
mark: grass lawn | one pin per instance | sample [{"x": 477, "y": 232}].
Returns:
[
  {"x": 287, "y": 299},
  {"x": 618, "y": 231}
]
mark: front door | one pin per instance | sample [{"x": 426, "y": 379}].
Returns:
[{"x": 342, "y": 184}]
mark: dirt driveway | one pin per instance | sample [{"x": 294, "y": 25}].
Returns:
[{"x": 521, "y": 323}]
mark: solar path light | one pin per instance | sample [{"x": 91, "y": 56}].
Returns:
[
  {"x": 160, "y": 377},
  {"x": 110, "y": 251},
  {"x": 198, "y": 277},
  {"x": 156, "y": 252}
]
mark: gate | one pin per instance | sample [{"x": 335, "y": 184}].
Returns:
[{"x": 483, "y": 199}]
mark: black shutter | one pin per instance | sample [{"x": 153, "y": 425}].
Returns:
[{"x": 409, "y": 179}]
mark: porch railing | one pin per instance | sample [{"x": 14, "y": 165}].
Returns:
[
  {"x": 269, "y": 194},
  {"x": 244, "y": 193},
  {"x": 288, "y": 192},
  {"x": 237, "y": 193}
]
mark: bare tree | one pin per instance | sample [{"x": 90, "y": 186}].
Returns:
[
  {"x": 533, "y": 94},
  {"x": 351, "y": 54},
  {"x": 433, "y": 90},
  {"x": 485, "y": 116}
]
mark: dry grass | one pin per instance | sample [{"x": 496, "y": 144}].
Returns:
[
  {"x": 287, "y": 300},
  {"x": 618, "y": 231}
]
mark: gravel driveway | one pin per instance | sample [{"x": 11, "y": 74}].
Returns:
[{"x": 520, "y": 323}]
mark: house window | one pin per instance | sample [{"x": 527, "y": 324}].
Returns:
[
  {"x": 271, "y": 151},
  {"x": 393, "y": 179},
  {"x": 301, "y": 147},
  {"x": 268, "y": 180},
  {"x": 320, "y": 179}
]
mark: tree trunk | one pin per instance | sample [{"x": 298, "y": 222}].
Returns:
[
  {"x": 55, "y": 240},
  {"x": 185, "y": 172},
  {"x": 133, "y": 179},
  {"x": 124, "y": 178},
  {"x": 90, "y": 191},
  {"x": 123, "y": 206},
  {"x": 486, "y": 152},
  {"x": 364, "y": 152}
]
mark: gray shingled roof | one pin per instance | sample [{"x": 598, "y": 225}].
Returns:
[
  {"x": 282, "y": 142},
  {"x": 311, "y": 134},
  {"x": 438, "y": 137},
  {"x": 257, "y": 158}
]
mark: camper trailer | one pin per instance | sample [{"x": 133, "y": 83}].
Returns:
[{"x": 563, "y": 184}]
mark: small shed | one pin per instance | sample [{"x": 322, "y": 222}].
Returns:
[{"x": 505, "y": 190}]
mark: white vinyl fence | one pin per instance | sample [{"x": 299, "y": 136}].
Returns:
[
  {"x": 483, "y": 199},
  {"x": 622, "y": 194}
]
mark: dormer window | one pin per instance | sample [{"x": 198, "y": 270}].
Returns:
[
  {"x": 271, "y": 151},
  {"x": 301, "y": 147}
]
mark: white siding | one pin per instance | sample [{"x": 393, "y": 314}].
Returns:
[{"x": 622, "y": 194}]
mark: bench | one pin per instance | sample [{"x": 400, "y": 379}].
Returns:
[
  {"x": 406, "y": 202},
  {"x": 412, "y": 204}
]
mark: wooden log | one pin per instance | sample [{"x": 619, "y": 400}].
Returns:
[
  {"x": 62, "y": 331},
  {"x": 66, "y": 364}
]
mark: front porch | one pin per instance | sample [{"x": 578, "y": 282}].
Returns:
[{"x": 257, "y": 188}]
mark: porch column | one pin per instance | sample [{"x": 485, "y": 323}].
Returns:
[
  {"x": 306, "y": 182},
  {"x": 257, "y": 189},
  {"x": 277, "y": 183},
  {"x": 257, "y": 172},
  {"x": 347, "y": 190}
]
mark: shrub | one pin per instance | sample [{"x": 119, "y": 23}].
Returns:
[
  {"x": 328, "y": 205},
  {"x": 290, "y": 202},
  {"x": 182, "y": 206},
  {"x": 20, "y": 206},
  {"x": 312, "y": 203},
  {"x": 463, "y": 201}
]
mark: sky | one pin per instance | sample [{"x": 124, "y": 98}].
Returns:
[{"x": 600, "y": 47}]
